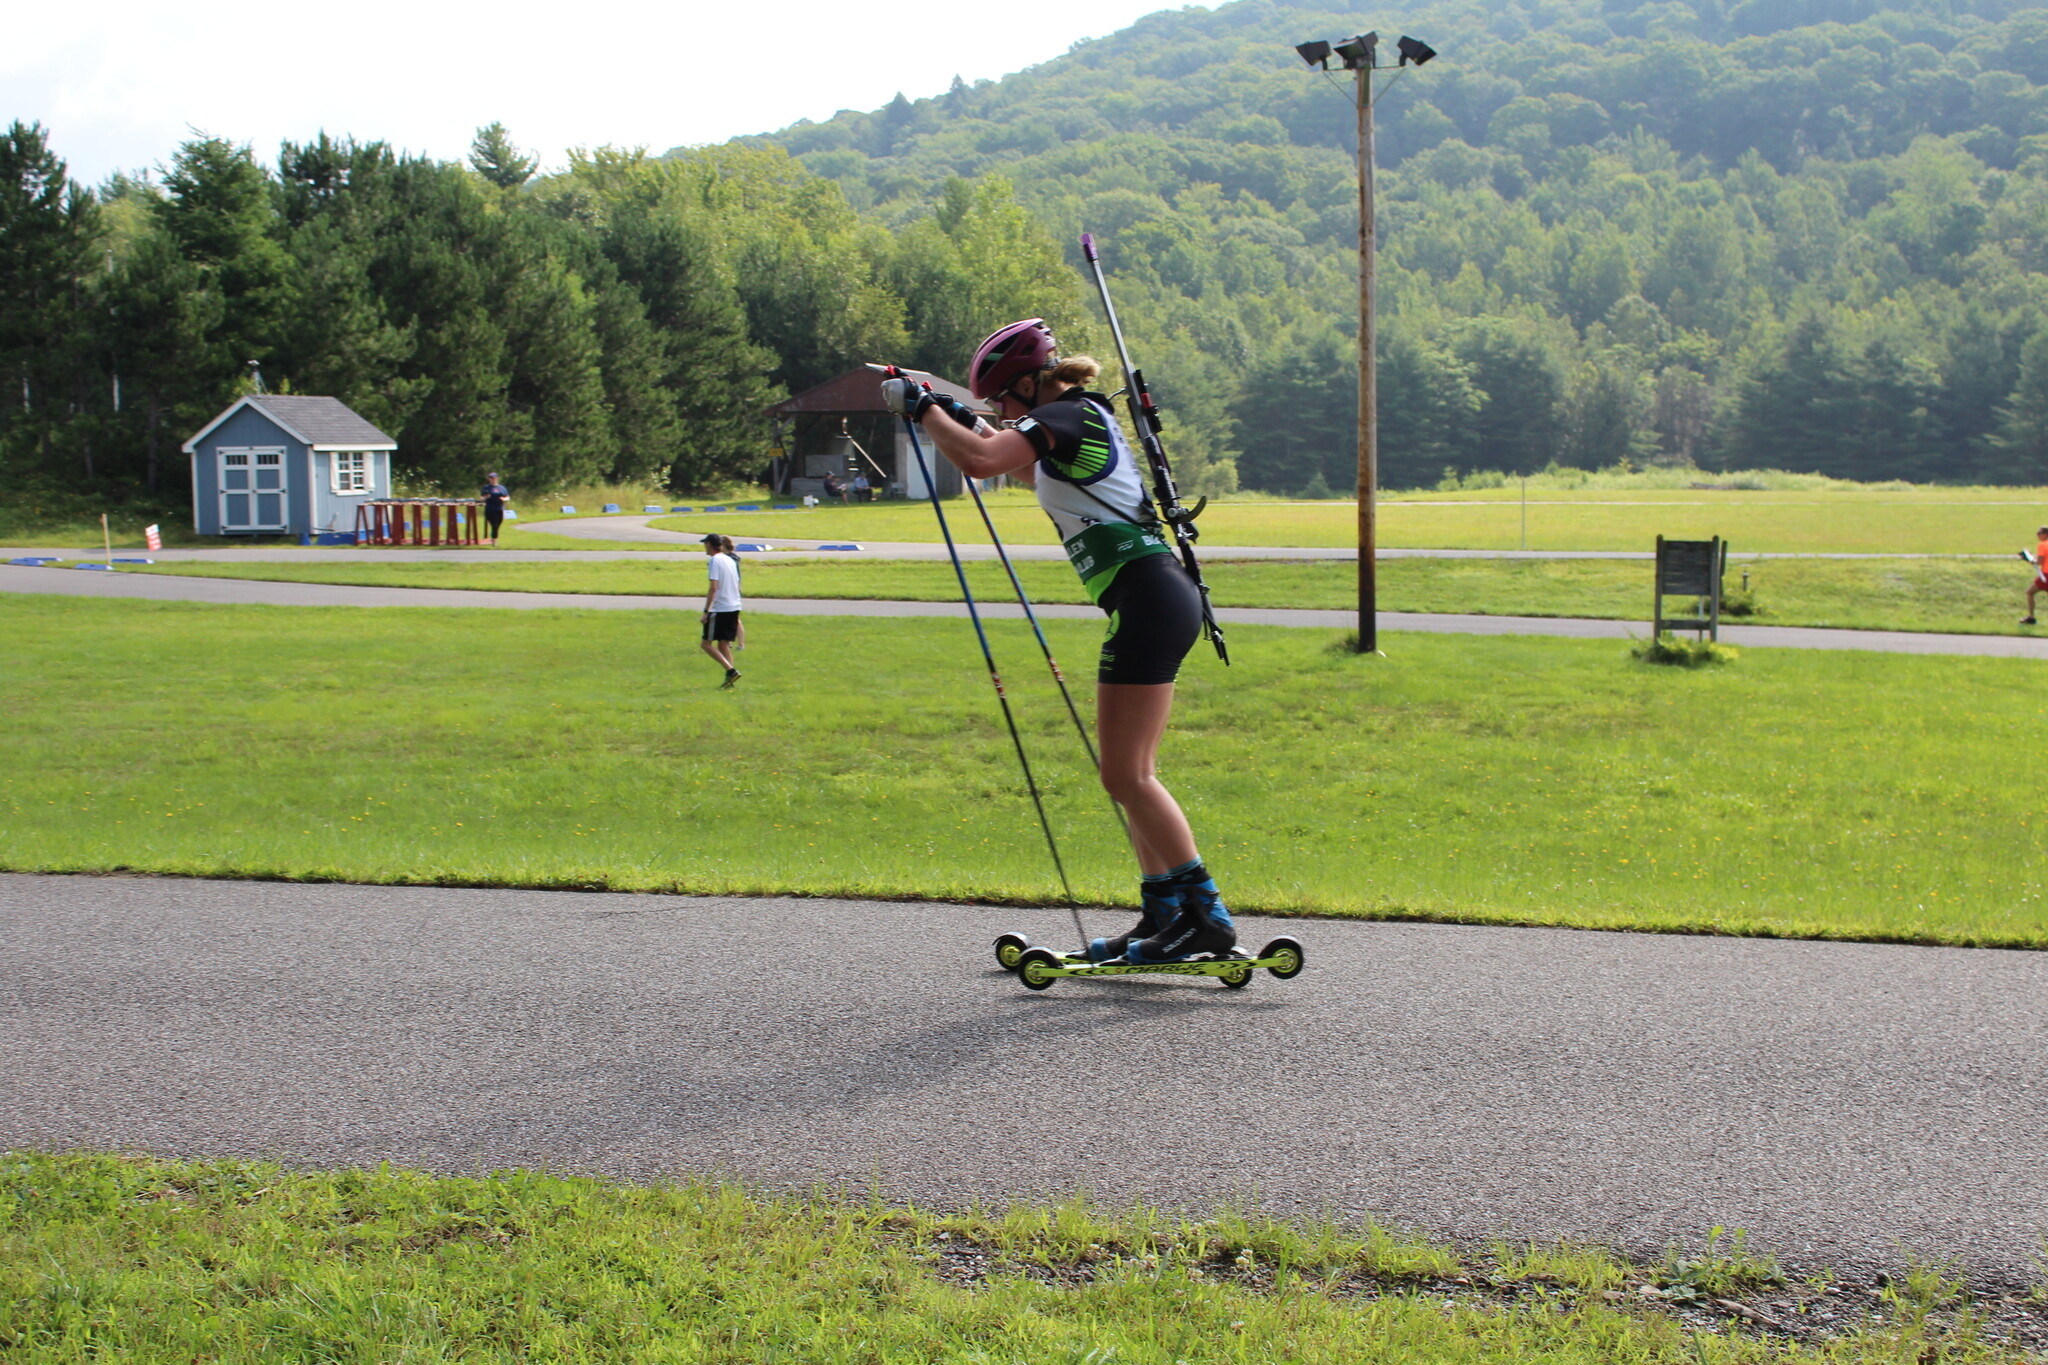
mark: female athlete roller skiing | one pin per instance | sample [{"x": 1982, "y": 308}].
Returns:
[{"x": 1064, "y": 440}]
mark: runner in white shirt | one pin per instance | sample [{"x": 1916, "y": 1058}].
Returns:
[{"x": 722, "y": 608}]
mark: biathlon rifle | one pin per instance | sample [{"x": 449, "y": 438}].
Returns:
[{"x": 1145, "y": 420}]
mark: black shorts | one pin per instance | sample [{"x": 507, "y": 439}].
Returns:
[
  {"x": 722, "y": 625},
  {"x": 1155, "y": 617}
]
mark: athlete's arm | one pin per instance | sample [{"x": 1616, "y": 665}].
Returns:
[{"x": 976, "y": 455}]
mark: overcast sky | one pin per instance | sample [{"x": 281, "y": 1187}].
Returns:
[{"x": 119, "y": 84}]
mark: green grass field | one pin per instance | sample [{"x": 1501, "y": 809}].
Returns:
[
  {"x": 1858, "y": 521},
  {"x": 1968, "y": 596},
  {"x": 1823, "y": 518},
  {"x": 1508, "y": 780},
  {"x": 129, "y": 1258}
]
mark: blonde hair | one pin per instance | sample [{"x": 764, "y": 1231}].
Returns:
[{"x": 1075, "y": 369}]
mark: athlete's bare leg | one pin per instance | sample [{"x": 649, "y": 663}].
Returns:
[{"x": 1130, "y": 721}]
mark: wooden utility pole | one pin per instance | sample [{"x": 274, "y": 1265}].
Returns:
[{"x": 1368, "y": 383}]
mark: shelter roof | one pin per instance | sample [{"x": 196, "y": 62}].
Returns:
[
  {"x": 859, "y": 391},
  {"x": 322, "y": 423}
]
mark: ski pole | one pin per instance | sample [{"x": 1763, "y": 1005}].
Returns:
[
  {"x": 995, "y": 677},
  {"x": 1045, "y": 646},
  {"x": 1145, "y": 418}
]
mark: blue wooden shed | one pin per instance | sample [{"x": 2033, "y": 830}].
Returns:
[{"x": 282, "y": 464}]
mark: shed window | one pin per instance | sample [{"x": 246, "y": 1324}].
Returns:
[{"x": 351, "y": 471}]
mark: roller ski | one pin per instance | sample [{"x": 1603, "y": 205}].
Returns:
[
  {"x": 1188, "y": 940},
  {"x": 1039, "y": 967}
]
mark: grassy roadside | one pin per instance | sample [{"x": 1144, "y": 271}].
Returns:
[
  {"x": 1486, "y": 780},
  {"x": 1845, "y": 521},
  {"x": 1961, "y": 596},
  {"x": 134, "y": 1258}
]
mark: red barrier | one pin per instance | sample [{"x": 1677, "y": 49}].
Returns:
[{"x": 420, "y": 521}]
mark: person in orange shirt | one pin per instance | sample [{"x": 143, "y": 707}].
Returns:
[{"x": 2039, "y": 559}]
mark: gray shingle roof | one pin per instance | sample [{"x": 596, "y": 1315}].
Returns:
[{"x": 321, "y": 421}]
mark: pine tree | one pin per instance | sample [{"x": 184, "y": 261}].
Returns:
[
  {"x": 493, "y": 156},
  {"x": 220, "y": 212},
  {"x": 1297, "y": 419},
  {"x": 1518, "y": 428},
  {"x": 2022, "y": 439},
  {"x": 160, "y": 311},
  {"x": 1795, "y": 407},
  {"x": 49, "y": 228},
  {"x": 1427, "y": 408},
  {"x": 894, "y": 124},
  {"x": 715, "y": 376}
]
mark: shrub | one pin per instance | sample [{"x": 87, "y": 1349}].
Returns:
[{"x": 1669, "y": 649}]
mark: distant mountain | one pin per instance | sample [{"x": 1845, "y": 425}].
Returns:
[{"x": 1805, "y": 233}]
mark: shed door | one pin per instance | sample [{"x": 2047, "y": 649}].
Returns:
[{"x": 252, "y": 489}]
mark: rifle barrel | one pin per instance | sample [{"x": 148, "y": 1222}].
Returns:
[{"x": 1145, "y": 422}]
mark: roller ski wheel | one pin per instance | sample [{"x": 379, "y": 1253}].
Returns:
[
  {"x": 1283, "y": 957},
  {"x": 1009, "y": 949},
  {"x": 1038, "y": 968},
  {"x": 1237, "y": 978}
]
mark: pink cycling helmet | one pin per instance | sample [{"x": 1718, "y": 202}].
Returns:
[{"x": 1008, "y": 355}]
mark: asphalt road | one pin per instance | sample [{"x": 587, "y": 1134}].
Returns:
[
  {"x": 163, "y": 588},
  {"x": 1850, "y": 1105}
]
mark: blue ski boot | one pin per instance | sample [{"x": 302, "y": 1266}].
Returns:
[
  {"x": 1161, "y": 901},
  {"x": 1203, "y": 926}
]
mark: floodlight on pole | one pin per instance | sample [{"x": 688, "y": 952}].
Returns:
[
  {"x": 1315, "y": 54},
  {"x": 1361, "y": 54},
  {"x": 1414, "y": 52}
]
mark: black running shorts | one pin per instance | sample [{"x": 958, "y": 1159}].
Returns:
[
  {"x": 722, "y": 625},
  {"x": 1155, "y": 616}
]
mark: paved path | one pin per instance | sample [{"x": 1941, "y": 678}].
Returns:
[
  {"x": 630, "y": 527},
  {"x": 1845, "y": 1104},
  {"x": 163, "y": 588},
  {"x": 633, "y": 528},
  {"x": 685, "y": 547}
]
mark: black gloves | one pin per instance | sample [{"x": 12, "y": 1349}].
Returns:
[{"x": 908, "y": 398}]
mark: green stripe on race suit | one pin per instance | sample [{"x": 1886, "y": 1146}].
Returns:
[{"x": 1100, "y": 550}]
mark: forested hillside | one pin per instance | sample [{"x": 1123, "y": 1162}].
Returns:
[
  {"x": 626, "y": 320},
  {"x": 1798, "y": 233},
  {"x": 1810, "y": 234}
]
